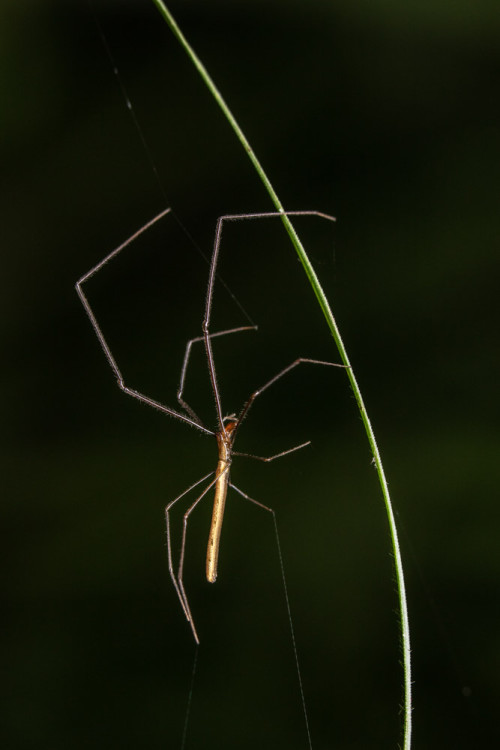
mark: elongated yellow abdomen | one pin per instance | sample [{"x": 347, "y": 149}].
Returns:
[{"x": 217, "y": 517}]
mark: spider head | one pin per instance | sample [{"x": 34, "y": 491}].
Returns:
[{"x": 230, "y": 424}]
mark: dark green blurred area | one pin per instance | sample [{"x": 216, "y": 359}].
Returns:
[{"x": 384, "y": 114}]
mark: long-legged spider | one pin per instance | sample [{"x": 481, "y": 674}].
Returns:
[{"x": 227, "y": 426}]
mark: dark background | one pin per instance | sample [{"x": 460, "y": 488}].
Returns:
[{"x": 383, "y": 114}]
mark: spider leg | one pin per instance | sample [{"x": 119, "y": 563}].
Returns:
[
  {"x": 282, "y": 568},
  {"x": 281, "y": 373},
  {"x": 267, "y": 459},
  {"x": 104, "y": 344},
  {"x": 177, "y": 580},
  {"x": 185, "y": 363},
  {"x": 210, "y": 292},
  {"x": 251, "y": 499}
]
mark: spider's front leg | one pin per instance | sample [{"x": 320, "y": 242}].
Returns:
[
  {"x": 185, "y": 362},
  {"x": 104, "y": 344}
]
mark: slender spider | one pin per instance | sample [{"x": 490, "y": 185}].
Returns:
[{"x": 227, "y": 426}]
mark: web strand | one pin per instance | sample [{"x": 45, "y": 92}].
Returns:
[
  {"x": 292, "y": 633},
  {"x": 152, "y": 162},
  {"x": 190, "y": 697}
]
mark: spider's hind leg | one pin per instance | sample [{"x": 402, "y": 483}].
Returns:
[
  {"x": 177, "y": 579},
  {"x": 251, "y": 499}
]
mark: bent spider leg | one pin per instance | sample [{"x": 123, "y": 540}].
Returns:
[
  {"x": 178, "y": 580},
  {"x": 251, "y": 499},
  {"x": 185, "y": 363},
  {"x": 169, "y": 538},
  {"x": 281, "y": 373},
  {"x": 267, "y": 459},
  {"x": 104, "y": 345},
  {"x": 210, "y": 293},
  {"x": 285, "y": 587}
]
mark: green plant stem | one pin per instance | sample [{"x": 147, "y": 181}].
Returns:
[{"x": 323, "y": 302}]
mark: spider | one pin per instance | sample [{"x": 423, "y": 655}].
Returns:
[{"x": 227, "y": 426}]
